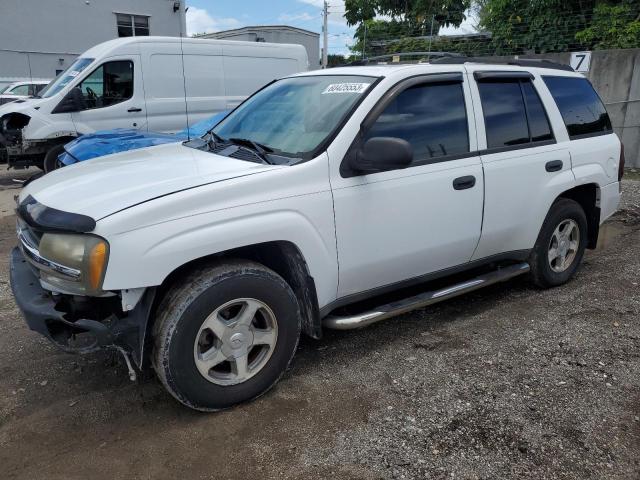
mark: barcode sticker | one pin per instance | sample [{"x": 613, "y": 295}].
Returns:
[{"x": 345, "y": 88}]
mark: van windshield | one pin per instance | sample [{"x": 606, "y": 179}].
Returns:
[
  {"x": 66, "y": 77},
  {"x": 294, "y": 116}
]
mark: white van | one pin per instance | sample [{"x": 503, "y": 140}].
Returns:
[{"x": 146, "y": 83}]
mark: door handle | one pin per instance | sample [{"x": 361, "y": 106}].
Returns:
[
  {"x": 462, "y": 183},
  {"x": 134, "y": 109},
  {"x": 553, "y": 166}
]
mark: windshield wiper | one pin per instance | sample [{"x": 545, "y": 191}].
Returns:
[{"x": 261, "y": 150}]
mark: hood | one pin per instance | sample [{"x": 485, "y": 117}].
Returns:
[
  {"x": 107, "y": 142},
  {"x": 115, "y": 182},
  {"x": 21, "y": 105}
]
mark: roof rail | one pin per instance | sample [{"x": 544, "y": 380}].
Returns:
[
  {"x": 524, "y": 62},
  {"x": 390, "y": 57}
]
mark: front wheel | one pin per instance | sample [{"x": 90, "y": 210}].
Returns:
[
  {"x": 225, "y": 335},
  {"x": 560, "y": 245}
]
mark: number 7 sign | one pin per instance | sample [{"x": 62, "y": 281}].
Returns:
[{"x": 580, "y": 61}]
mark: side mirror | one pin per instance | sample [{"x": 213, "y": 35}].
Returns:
[
  {"x": 379, "y": 154},
  {"x": 72, "y": 102}
]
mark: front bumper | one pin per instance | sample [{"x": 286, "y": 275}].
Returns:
[{"x": 56, "y": 318}]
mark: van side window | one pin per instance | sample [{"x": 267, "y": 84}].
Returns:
[
  {"x": 20, "y": 90},
  {"x": 109, "y": 84},
  {"x": 582, "y": 110},
  {"x": 431, "y": 117},
  {"x": 513, "y": 113}
]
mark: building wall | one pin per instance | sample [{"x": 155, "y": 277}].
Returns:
[
  {"x": 310, "y": 42},
  {"x": 36, "y": 34}
]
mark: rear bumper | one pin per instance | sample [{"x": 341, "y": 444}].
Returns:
[{"x": 65, "y": 327}]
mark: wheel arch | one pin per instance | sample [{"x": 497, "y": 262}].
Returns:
[
  {"x": 588, "y": 197},
  {"x": 284, "y": 258}
]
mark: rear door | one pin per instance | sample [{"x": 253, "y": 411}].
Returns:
[
  {"x": 399, "y": 225},
  {"x": 113, "y": 96},
  {"x": 525, "y": 166}
]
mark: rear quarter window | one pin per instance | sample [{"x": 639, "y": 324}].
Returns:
[{"x": 582, "y": 110}]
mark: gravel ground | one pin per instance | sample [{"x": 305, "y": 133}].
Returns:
[{"x": 508, "y": 382}]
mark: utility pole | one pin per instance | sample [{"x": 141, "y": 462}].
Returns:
[
  {"x": 364, "y": 42},
  {"x": 325, "y": 38}
]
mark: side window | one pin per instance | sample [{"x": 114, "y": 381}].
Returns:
[
  {"x": 431, "y": 117},
  {"x": 513, "y": 113},
  {"x": 539, "y": 125},
  {"x": 109, "y": 84},
  {"x": 581, "y": 108},
  {"x": 20, "y": 90}
]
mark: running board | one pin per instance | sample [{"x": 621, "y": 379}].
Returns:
[{"x": 424, "y": 299}]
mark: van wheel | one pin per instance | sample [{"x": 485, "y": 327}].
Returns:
[
  {"x": 51, "y": 161},
  {"x": 225, "y": 334},
  {"x": 560, "y": 245}
]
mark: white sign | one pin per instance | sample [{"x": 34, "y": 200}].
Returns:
[
  {"x": 345, "y": 88},
  {"x": 580, "y": 61}
]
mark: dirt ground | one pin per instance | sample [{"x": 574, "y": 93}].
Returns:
[{"x": 508, "y": 382}]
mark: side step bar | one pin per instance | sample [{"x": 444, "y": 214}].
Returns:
[{"x": 423, "y": 299}]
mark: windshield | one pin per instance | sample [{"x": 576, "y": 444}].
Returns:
[
  {"x": 4, "y": 89},
  {"x": 66, "y": 77},
  {"x": 295, "y": 115}
]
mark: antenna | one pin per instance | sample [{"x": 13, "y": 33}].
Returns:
[{"x": 184, "y": 84}]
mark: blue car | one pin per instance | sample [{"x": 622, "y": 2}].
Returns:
[{"x": 106, "y": 142}]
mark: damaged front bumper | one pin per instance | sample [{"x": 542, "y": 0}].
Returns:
[{"x": 79, "y": 324}]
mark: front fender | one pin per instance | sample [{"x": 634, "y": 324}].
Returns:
[
  {"x": 41, "y": 128},
  {"x": 146, "y": 256}
]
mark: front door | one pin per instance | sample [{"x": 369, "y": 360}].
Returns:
[
  {"x": 113, "y": 97},
  {"x": 399, "y": 225}
]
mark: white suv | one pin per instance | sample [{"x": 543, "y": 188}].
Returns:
[{"x": 328, "y": 199}]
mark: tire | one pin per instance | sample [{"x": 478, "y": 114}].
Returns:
[
  {"x": 186, "y": 332},
  {"x": 51, "y": 159},
  {"x": 564, "y": 229}
]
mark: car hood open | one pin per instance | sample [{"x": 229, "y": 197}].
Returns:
[{"x": 115, "y": 182}]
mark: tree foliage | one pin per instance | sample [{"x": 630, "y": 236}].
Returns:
[
  {"x": 542, "y": 26},
  {"x": 413, "y": 12},
  {"x": 612, "y": 26},
  {"x": 379, "y": 20}
]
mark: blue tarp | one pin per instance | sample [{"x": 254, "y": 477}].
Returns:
[{"x": 106, "y": 142}]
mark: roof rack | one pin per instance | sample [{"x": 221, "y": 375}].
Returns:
[
  {"x": 394, "y": 58},
  {"x": 525, "y": 62}
]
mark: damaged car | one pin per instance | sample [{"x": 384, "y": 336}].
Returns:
[
  {"x": 330, "y": 199},
  {"x": 108, "y": 142}
]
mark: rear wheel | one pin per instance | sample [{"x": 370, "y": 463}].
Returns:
[
  {"x": 51, "y": 161},
  {"x": 560, "y": 245},
  {"x": 225, "y": 335}
]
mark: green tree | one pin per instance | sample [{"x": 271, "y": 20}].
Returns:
[
  {"x": 613, "y": 26},
  {"x": 540, "y": 26},
  {"x": 406, "y": 18}
]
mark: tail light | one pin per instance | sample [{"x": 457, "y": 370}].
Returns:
[{"x": 621, "y": 165}]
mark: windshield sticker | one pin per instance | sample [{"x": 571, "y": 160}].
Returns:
[
  {"x": 74, "y": 73},
  {"x": 346, "y": 88}
]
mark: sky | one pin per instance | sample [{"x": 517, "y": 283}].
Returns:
[{"x": 206, "y": 16}]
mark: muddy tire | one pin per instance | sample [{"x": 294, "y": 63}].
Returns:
[
  {"x": 225, "y": 334},
  {"x": 560, "y": 246},
  {"x": 51, "y": 162}
]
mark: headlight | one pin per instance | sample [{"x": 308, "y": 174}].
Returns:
[{"x": 86, "y": 254}]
